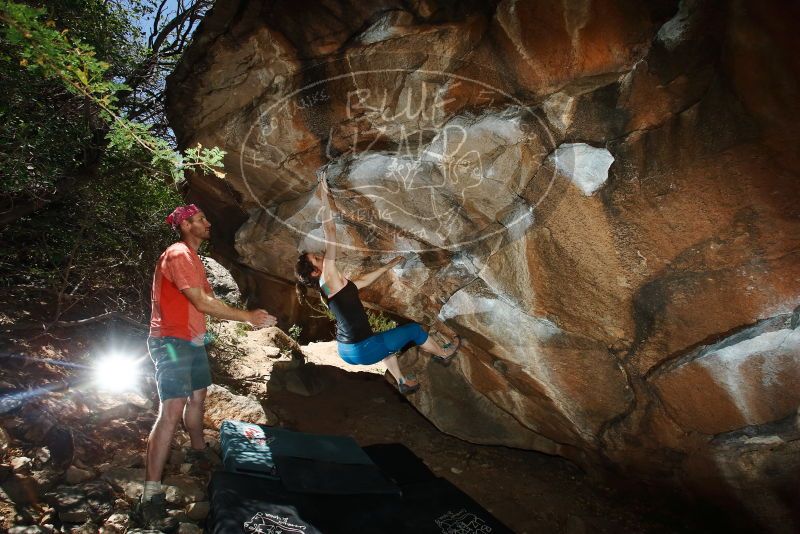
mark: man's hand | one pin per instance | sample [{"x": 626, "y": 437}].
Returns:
[
  {"x": 260, "y": 319},
  {"x": 206, "y": 303}
]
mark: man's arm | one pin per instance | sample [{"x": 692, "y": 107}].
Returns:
[
  {"x": 366, "y": 279},
  {"x": 206, "y": 303}
]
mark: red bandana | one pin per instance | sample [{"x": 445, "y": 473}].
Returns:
[{"x": 180, "y": 214}]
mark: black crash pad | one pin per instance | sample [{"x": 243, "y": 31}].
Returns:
[
  {"x": 302, "y": 475},
  {"x": 437, "y": 506},
  {"x": 399, "y": 463},
  {"x": 432, "y": 507},
  {"x": 240, "y": 503}
]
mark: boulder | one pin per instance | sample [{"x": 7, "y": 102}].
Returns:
[
  {"x": 5, "y": 440},
  {"x": 22, "y": 489},
  {"x": 70, "y": 503},
  {"x": 189, "y": 528},
  {"x": 75, "y": 475},
  {"x": 600, "y": 197},
  {"x": 117, "y": 523},
  {"x": 182, "y": 490},
  {"x": 89, "y": 527},
  {"x": 41, "y": 456},
  {"x": 21, "y": 463},
  {"x": 298, "y": 377},
  {"x": 126, "y": 480},
  {"x": 748, "y": 379},
  {"x": 128, "y": 458},
  {"x": 29, "y": 529},
  {"x": 221, "y": 281},
  {"x": 197, "y": 511},
  {"x": 221, "y": 404},
  {"x": 245, "y": 357}
]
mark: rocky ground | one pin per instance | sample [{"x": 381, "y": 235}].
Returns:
[{"x": 72, "y": 456}]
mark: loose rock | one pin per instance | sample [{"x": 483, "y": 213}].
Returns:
[
  {"x": 198, "y": 511},
  {"x": 75, "y": 475}
]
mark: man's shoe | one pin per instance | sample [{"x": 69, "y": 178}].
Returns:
[
  {"x": 152, "y": 514},
  {"x": 203, "y": 459}
]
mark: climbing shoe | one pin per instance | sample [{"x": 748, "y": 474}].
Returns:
[
  {"x": 405, "y": 389},
  {"x": 447, "y": 360}
]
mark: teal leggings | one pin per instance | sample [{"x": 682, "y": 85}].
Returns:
[{"x": 378, "y": 346}]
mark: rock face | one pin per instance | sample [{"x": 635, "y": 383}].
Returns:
[
  {"x": 601, "y": 196},
  {"x": 221, "y": 281},
  {"x": 221, "y": 404}
]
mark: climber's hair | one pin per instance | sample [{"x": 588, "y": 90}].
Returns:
[{"x": 303, "y": 269}]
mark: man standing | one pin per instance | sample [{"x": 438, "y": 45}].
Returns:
[{"x": 181, "y": 298}]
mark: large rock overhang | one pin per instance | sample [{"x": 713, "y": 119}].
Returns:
[{"x": 602, "y": 199}]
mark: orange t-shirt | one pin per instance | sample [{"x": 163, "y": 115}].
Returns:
[{"x": 173, "y": 315}]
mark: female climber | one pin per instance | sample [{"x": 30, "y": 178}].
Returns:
[{"x": 356, "y": 343}]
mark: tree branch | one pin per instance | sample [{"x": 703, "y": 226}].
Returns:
[{"x": 71, "y": 324}]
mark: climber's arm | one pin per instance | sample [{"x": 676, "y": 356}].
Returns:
[
  {"x": 334, "y": 280},
  {"x": 328, "y": 214},
  {"x": 366, "y": 279}
]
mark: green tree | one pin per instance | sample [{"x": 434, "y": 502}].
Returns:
[{"x": 89, "y": 164}]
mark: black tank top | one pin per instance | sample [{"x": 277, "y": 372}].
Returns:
[{"x": 352, "y": 324}]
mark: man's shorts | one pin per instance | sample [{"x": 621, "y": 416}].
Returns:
[{"x": 181, "y": 366}]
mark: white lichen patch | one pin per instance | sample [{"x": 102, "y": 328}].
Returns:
[
  {"x": 675, "y": 30},
  {"x": 764, "y": 440},
  {"x": 777, "y": 352},
  {"x": 515, "y": 327},
  {"x": 585, "y": 165}
]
